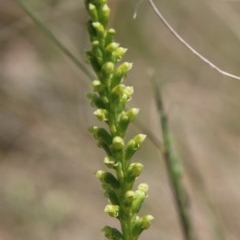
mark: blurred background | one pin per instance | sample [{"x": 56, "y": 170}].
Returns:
[{"x": 48, "y": 159}]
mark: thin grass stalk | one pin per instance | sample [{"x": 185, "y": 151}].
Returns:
[
  {"x": 54, "y": 39},
  {"x": 175, "y": 170}
]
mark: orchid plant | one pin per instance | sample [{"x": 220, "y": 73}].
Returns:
[{"x": 110, "y": 96}]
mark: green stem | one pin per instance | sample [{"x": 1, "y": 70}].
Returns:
[
  {"x": 175, "y": 172},
  {"x": 53, "y": 38},
  {"x": 126, "y": 218}
]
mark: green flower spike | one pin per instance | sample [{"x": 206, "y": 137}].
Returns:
[{"x": 110, "y": 97}]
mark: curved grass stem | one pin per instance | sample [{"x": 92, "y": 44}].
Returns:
[{"x": 188, "y": 46}]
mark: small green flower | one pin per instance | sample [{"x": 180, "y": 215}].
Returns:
[
  {"x": 99, "y": 28},
  {"x": 112, "y": 47},
  {"x": 112, "y": 233},
  {"x": 108, "y": 68},
  {"x": 97, "y": 86},
  {"x": 142, "y": 223},
  {"x": 139, "y": 197},
  {"x": 112, "y": 210},
  {"x": 93, "y": 12},
  {"x": 110, "y": 163},
  {"x": 133, "y": 145},
  {"x": 118, "y": 143},
  {"x": 134, "y": 170},
  {"x": 101, "y": 134},
  {"x": 129, "y": 197},
  {"x": 107, "y": 178},
  {"x": 101, "y": 114},
  {"x": 146, "y": 221}
]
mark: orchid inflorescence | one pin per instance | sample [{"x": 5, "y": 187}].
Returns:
[{"x": 110, "y": 97}]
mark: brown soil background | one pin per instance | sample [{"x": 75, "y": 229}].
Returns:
[{"x": 48, "y": 190}]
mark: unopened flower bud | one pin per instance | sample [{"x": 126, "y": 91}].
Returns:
[
  {"x": 101, "y": 134},
  {"x": 112, "y": 233},
  {"x": 133, "y": 145},
  {"x": 139, "y": 139},
  {"x": 128, "y": 91},
  {"x": 122, "y": 92},
  {"x": 124, "y": 68},
  {"x": 108, "y": 178},
  {"x": 93, "y": 12},
  {"x": 108, "y": 68},
  {"x": 129, "y": 196},
  {"x": 140, "y": 195},
  {"x": 138, "y": 201},
  {"x": 101, "y": 114},
  {"x": 118, "y": 143},
  {"x": 132, "y": 113},
  {"x": 125, "y": 118},
  {"x": 142, "y": 224},
  {"x": 110, "y": 163},
  {"x": 134, "y": 171},
  {"x": 112, "y": 46},
  {"x": 104, "y": 176},
  {"x": 143, "y": 187},
  {"x": 137, "y": 228},
  {"x": 110, "y": 34},
  {"x": 98, "y": 27},
  {"x": 97, "y": 85},
  {"x": 112, "y": 210},
  {"x": 146, "y": 221},
  {"x": 123, "y": 122},
  {"x": 119, "y": 52},
  {"x": 121, "y": 72},
  {"x": 104, "y": 14}
]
